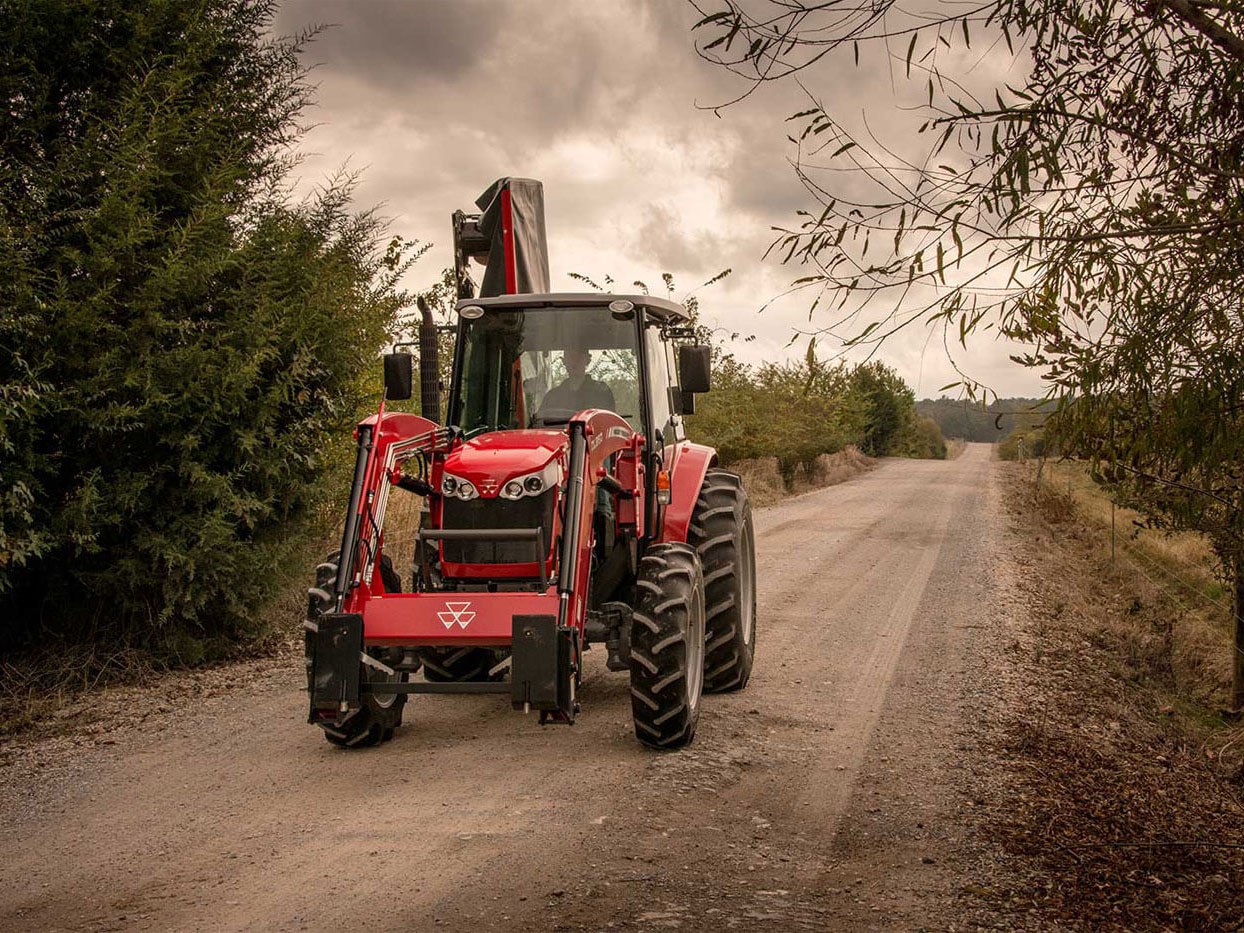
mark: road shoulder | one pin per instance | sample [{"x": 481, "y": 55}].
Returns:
[{"x": 1095, "y": 805}]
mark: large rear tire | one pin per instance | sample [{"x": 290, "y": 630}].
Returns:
[
  {"x": 667, "y": 646},
  {"x": 721, "y": 532}
]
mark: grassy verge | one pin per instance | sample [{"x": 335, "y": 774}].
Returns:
[
  {"x": 53, "y": 689},
  {"x": 765, "y": 485},
  {"x": 1182, "y": 625},
  {"x": 1121, "y": 804}
]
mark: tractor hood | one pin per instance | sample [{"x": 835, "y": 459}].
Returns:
[{"x": 490, "y": 460}]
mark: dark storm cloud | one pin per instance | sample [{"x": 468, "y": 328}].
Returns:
[
  {"x": 663, "y": 234},
  {"x": 435, "y": 99},
  {"x": 502, "y": 82},
  {"x": 397, "y": 46},
  {"x": 759, "y": 190},
  {"x": 523, "y": 70},
  {"x": 604, "y": 102}
]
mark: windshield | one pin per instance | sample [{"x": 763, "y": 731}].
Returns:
[{"x": 526, "y": 369}]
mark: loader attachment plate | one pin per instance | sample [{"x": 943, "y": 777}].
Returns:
[
  {"x": 335, "y": 665},
  {"x": 542, "y": 668}
]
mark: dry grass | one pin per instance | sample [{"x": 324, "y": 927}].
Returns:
[
  {"x": 1191, "y": 639},
  {"x": 764, "y": 482},
  {"x": 53, "y": 688},
  {"x": 401, "y": 523},
  {"x": 1185, "y": 550},
  {"x": 1159, "y": 603}
]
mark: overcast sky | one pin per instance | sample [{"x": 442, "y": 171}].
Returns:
[{"x": 434, "y": 99}]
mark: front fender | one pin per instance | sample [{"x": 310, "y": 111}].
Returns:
[{"x": 690, "y": 463}]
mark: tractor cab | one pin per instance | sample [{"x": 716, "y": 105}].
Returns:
[
  {"x": 534, "y": 361},
  {"x": 525, "y": 367}
]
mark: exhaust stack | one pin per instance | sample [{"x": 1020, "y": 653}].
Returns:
[{"x": 429, "y": 366}]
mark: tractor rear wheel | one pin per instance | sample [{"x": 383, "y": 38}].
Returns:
[
  {"x": 379, "y": 714},
  {"x": 667, "y": 646},
  {"x": 721, "y": 532}
]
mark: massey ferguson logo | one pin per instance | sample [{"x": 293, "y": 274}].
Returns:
[
  {"x": 488, "y": 487},
  {"x": 456, "y": 614}
]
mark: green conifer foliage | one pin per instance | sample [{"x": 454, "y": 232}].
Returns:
[{"x": 180, "y": 339}]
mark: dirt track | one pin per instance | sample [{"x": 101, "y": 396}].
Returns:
[{"x": 828, "y": 794}]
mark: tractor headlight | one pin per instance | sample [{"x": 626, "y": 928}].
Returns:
[
  {"x": 456, "y": 486},
  {"x": 532, "y": 484}
]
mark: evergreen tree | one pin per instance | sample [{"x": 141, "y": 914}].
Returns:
[{"x": 179, "y": 339}]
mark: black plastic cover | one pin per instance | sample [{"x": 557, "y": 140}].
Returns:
[
  {"x": 695, "y": 368},
  {"x": 530, "y": 241},
  {"x": 398, "y": 376}
]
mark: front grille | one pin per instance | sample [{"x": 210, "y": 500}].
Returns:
[{"x": 527, "y": 512}]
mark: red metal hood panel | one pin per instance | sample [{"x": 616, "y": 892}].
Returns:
[{"x": 502, "y": 455}]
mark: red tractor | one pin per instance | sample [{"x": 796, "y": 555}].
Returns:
[{"x": 563, "y": 508}]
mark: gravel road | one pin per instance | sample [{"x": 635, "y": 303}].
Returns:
[{"x": 828, "y": 794}]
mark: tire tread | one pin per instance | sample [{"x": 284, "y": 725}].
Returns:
[{"x": 715, "y": 532}]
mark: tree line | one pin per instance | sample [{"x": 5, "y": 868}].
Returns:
[
  {"x": 798, "y": 410},
  {"x": 980, "y": 421}
]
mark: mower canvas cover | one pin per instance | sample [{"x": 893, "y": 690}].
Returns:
[{"x": 512, "y": 219}]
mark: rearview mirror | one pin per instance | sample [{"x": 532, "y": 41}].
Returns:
[
  {"x": 398, "y": 376},
  {"x": 695, "y": 368}
]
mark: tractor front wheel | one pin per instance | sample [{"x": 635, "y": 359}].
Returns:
[
  {"x": 379, "y": 714},
  {"x": 721, "y": 532},
  {"x": 667, "y": 646}
]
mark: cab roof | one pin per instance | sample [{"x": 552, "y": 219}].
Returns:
[{"x": 661, "y": 308}]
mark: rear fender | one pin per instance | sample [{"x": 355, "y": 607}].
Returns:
[{"x": 688, "y": 466}]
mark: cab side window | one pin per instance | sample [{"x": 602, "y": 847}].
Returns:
[
  {"x": 656, "y": 356},
  {"x": 675, "y": 395}
]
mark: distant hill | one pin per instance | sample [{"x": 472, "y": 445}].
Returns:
[{"x": 969, "y": 421}]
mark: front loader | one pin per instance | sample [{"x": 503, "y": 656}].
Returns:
[{"x": 563, "y": 508}]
